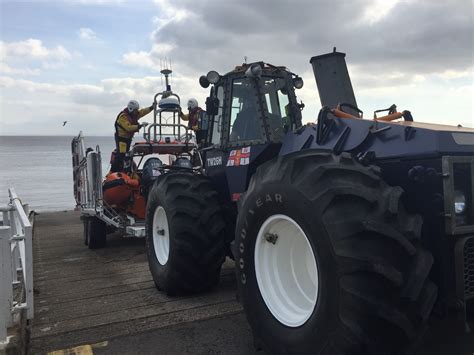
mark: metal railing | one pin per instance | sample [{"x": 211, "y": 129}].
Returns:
[
  {"x": 87, "y": 176},
  {"x": 16, "y": 257},
  {"x": 79, "y": 172}
]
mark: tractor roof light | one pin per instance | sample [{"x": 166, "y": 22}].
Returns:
[
  {"x": 213, "y": 77},
  {"x": 298, "y": 82},
  {"x": 203, "y": 81},
  {"x": 254, "y": 71}
]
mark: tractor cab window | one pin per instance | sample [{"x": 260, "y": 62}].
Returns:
[
  {"x": 245, "y": 122},
  {"x": 284, "y": 104},
  {"x": 217, "y": 120},
  {"x": 277, "y": 106}
]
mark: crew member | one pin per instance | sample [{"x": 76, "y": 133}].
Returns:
[
  {"x": 126, "y": 125},
  {"x": 196, "y": 118}
]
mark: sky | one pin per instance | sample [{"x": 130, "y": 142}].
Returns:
[{"x": 81, "y": 61}]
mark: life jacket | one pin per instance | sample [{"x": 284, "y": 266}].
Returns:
[
  {"x": 118, "y": 187},
  {"x": 194, "y": 116},
  {"x": 131, "y": 119}
]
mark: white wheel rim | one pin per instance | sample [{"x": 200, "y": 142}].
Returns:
[
  {"x": 161, "y": 235},
  {"x": 286, "y": 270}
]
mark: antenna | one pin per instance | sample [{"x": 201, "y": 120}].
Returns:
[
  {"x": 166, "y": 72},
  {"x": 245, "y": 59},
  {"x": 161, "y": 67}
]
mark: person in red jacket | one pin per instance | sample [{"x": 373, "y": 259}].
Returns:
[{"x": 196, "y": 118}]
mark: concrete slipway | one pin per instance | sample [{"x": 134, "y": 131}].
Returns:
[{"x": 104, "y": 301}]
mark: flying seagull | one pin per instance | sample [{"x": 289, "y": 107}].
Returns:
[{"x": 64, "y": 123}]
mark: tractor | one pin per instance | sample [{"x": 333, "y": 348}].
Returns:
[{"x": 347, "y": 233}]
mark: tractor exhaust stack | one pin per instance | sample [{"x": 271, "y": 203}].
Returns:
[{"x": 333, "y": 81}]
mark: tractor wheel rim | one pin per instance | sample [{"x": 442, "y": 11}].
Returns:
[
  {"x": 286, "y": 270},
  {"x": 161, "y": 235}
]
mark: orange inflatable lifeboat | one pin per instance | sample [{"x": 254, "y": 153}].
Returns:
[{"x": 118, "y": 188}]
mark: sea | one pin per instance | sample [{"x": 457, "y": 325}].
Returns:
[{"x": 39, "y": 168}]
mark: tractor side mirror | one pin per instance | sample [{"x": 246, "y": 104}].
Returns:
[{"x": 212, "y": 105}]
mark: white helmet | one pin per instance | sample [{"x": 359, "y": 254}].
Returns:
[
  {"x": 132, "y": 105},
  {"x": 192, "y": 103}
]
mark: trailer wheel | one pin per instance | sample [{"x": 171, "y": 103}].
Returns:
[
  {"x": 184, "y": 234},
  {"x": 328, "y": 261},
  {"x": 96, "y": 233}
]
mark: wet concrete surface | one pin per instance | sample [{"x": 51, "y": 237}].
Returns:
[{"x": 106, "y": 300}]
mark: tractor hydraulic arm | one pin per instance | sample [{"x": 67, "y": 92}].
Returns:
[{"x": 393, "y": 114}]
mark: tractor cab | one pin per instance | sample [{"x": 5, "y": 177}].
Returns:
[{"x": 250, "y": 109}]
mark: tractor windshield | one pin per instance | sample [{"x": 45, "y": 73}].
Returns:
[
  {"x": 246, "y": 120},
  {"x": 245, "y": 124}
]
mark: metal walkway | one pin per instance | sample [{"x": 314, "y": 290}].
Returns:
[{"x": 107, "y": 297}]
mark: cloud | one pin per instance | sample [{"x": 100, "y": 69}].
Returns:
[
  {"x": 417, "y": 54},
  {"x": 169, "y": 13},
  {"x": 101, "y": 2},
  {"x": 86, "y": 34},
  {"x": 394, "y": 47},
  {"x": 32, "y": 49},
  {"x": 92, "y": 2},
  {"x": 454, "y": 74},
  {"x": 378, "y": 10},
  {"x": 139, "y": 59},
  {"x": 152, "y": 59},
  {"x": 404, "y": 36},
  {"x": 28, "y": 57},
  {"x": 86, "y": 107},
  {"x": 91, "y": 108},
  {"x": 6, "y": 69}
]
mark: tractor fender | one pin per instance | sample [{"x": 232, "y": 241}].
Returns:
[
  {"x": 387, "y": 140},
  {"x": 344, "y": 135}
]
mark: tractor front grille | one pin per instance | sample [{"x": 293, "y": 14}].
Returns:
[{"x": 469, "y": 268}]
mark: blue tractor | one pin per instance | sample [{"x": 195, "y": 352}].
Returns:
[{"x": 347, "y": 233}]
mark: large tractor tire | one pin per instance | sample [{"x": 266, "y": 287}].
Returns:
[
  {"x": 96, "y": 235},
  {"x": 185, "y": 233},
  {"x": 328, "y": 261}
]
